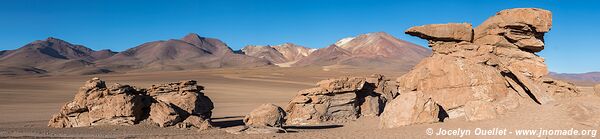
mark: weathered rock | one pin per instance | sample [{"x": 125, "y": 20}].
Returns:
[
  {"x": 479, "y": 110},
  {"x": 181, "y": 104},
  {"x": 194, "y": 121},
  {"x": 487, "y": 77},
  {"x": 340, "y": 99},
  {"x": 408, "y": 109},
  {"x": 560, "y": 88},
  {"x": 266, "y": 115},
  {"x": 443, "y": 32},
  {"x": 164, "y": 114},
  {"x": 186, "y": 95},
  {"x": 523, "y": 28},
  {"x": 95, "y": 104}
]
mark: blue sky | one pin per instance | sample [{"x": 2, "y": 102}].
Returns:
[{"x": 571, "y": 46}]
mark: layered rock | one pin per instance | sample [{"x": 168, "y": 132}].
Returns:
[
  {"x": 486, "y": 76},
  {"x": 182, "y": 104},
  {"x": 340, "y": 99}
]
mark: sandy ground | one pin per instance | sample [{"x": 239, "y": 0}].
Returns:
[{"x": 26, "y": 104}]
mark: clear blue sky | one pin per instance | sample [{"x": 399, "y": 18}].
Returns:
[{"x": 571, "y": 46}]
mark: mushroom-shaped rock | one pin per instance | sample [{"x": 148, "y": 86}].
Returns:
[
  {"x": 266, "y": 115},
  {"x": 408, "y": 109},
  {"x": 451, "y": 32}
]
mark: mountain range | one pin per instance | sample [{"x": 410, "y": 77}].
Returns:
[{"x": 54, "y": 56}]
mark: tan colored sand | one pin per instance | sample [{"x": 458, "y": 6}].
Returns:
[{"x": 26, "y": 104}]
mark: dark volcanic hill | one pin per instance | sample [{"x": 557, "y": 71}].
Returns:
[
  {"x": 588, "y": 79},
  {"x": 190, "y": 52},
  {"x": 372, "y": 50},
  {"x": 53, "y": 56}
]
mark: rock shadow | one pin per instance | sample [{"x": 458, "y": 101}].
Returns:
[
  {"x": 312, "y": 126},
  {"x": 227, "y": 121}
]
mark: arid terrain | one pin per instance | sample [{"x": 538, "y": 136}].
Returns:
[{"x": 27, "y": 103}]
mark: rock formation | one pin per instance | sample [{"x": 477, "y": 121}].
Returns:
[
  {"x": 409, "y": 108},
  {"x": 485, "y": 76},
  {"x": 181, "y": 103},
  {"x": 266, "y": 115},
  {"x": 267, "y": 118},
  {"x": 340, "y": 99}
]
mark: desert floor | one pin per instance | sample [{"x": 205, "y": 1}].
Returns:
[{"x": 26, "y": 104}]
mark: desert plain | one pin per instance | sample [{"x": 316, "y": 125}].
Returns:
[{"x": 27, "y": 104}]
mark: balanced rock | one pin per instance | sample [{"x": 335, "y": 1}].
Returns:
[
  {"x": 266, "y": 115},
  {"x": 95, "y": 104},
  {"x": 483, "y": 78},
  {"x": 443, "y": 32},
  {"x": 340, "y": 99},
  {"x": 409, "y": 108}
]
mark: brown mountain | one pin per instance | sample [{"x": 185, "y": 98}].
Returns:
[
  {"x": 588, "y": 79},
  {"x": 370, "y": 50},
  {"x": 282, "y": 55},
  {"x": 190, "y": 52},
  {"x": 52, "y": 56}
]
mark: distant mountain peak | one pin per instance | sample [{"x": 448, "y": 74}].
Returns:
[{"x": 191, "y": 37}]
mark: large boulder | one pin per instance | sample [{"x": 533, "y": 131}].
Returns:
[
  {"x": 181, "y": 103},
  {"x": 340, "y": 99},
  {"x": 409, "y": 108},
  {"x": 95, "y": 104},
  {"x": 266, "y": 115},
  {"x": 487, "y": 76},
  {"x": 186, "y": 99}
]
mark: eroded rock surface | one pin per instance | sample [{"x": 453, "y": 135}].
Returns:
[
  {"x": 341, "y": 99},
  {"x": 181, "y": 103},
  {"x": 485, "y": 77},
  {"x": 410, "y": 108},
  {"x": 266, "y": 115}
]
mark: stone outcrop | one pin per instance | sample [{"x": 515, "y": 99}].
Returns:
[
  {"x": 180, "y": 103},
  {"x": 410, "y": 108},
  {"x": 187, "y": 100},
  {"x": 96, "y": 104},
  {"x": 340, "y": 99},
  {"x": 486, "y": 76}
]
